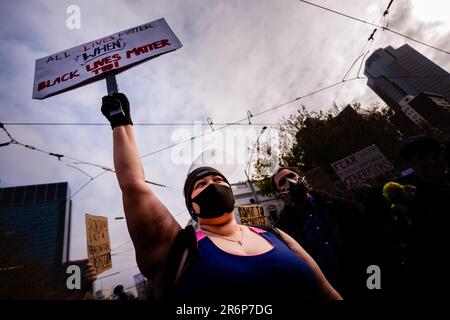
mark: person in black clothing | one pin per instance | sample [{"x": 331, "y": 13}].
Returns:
[
  {"x": 447, "y": 157},
  {"x": 429, "y": 214},
  {"x": 333, "y": 231},
  {"x": 120, "y": 294}
]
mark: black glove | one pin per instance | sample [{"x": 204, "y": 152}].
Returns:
[{"x": 116, "y": 109}]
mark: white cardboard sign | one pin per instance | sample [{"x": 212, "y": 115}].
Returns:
[
  {"x": 362, "y": 165},
  {"x": 87, "y": 63}
]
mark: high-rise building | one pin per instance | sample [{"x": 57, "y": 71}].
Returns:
[
  {"x": 434, "y": 108},
  {"x": 396, "y": 73},
  {"x": 38, "y": 216},
  {"x": 404, "y": 79}
]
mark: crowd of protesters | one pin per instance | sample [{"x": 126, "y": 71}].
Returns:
[
  {"x": 400, "y": 226},
  {"x": 322, "y": 246}
]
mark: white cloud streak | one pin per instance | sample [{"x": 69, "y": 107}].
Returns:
[{"x": 237, "y": 56}]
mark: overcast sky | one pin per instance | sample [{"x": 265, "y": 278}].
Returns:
[{"x": 237, "y": 56}]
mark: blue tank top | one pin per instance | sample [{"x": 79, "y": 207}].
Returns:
[{"x": 216, "y": 276}]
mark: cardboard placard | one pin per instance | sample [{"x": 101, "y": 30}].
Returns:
[
  {"x": 98, "y": 244},
  {"x": 91, "y": 61}
]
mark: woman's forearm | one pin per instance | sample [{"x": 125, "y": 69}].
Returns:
[{"x": 127, "y": 162}]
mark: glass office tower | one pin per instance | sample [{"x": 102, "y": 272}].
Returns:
[{"x": 38, "y": 217}]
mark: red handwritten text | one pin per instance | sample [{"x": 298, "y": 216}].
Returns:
[{"x": 49, "y": 83}]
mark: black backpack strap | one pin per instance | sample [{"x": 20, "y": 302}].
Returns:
[{"x": 185, "y": 239}]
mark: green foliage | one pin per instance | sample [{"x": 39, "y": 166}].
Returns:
[{"x": 311, "y": 139}]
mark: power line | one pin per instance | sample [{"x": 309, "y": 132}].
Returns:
[
  {"x": 126, "y": 242},
  {"x": 228, "y": 124},
  {"x": 40, "y": 222},
  {"x": 244, "y": 119},
  {"x": 375, "y": 25},
  {"x": 122, "y": 252},
  {"x": 135, "y": 124},
  {"x": 59, "y": 156},
  {"x": 362, "y": 54},
  {"x": 85, "y": 185},
  {"x": 305, "y": 96},
  {"x": 116, "y": 272},
  {"x": 77, "y": 161},
  {"x": 276, "y": 107}
]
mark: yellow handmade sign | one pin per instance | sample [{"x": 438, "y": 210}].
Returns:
[
  {"x": 98, "y": 245},
  {"x": 252, "y": 215}
]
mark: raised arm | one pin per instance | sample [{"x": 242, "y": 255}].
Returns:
[{"x": 151, "y": 226}]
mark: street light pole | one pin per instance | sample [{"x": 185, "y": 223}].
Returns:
[{"x": 249, "y": 166}]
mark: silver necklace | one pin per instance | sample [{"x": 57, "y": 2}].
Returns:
[{"x": 232, "y": 240}]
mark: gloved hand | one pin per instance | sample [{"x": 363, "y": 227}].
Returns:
[{"x": 116, "y": 109}]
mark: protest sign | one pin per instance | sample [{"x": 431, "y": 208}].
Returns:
[
  {"x": 252, "y": 215},
  {"x": 94, "y": 60},
  {"x": 98, "y": 245},
  {"x": 362, "y": 165}
]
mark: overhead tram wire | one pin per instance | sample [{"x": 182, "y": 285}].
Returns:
[
  {"x": 246, "y": 119},
  {"x": 370, "y": 40},
  {"x": 192, "y": 138},
  {"x": 135, "y": 124},
  {"x": 236, "y": 123},
  {"x": 375, "y": 25},
  {"x": 76, "y": 161},
  {"x": 130, "y": 241},
  {"x": 384, "y": 17}
]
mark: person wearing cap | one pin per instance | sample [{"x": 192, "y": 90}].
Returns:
[
  {"x": 336, "y": 234},
  {"x": 120, "y": 294},
  {"x": 397, "y": 224},
  {"x": 429, "y": 213},
  {"x": 232, "y": 262},
  {"x": 447, "y": 157},
  {"x": 426, "y": 156}
]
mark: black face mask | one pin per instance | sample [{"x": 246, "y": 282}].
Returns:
[
  {"x": 294, "y": 190},
  {"x": 214, "y": 201}
]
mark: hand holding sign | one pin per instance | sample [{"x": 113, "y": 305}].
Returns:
[
  {"x": 116, "y": 109},
  {"x": 88, "y": 273}
]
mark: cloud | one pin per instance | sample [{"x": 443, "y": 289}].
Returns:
[{"x": 236, "y": 56}]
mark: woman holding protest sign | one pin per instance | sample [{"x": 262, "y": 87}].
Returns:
[{"x": 222, "y": 261}]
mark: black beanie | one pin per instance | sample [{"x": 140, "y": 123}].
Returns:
[{"x": 191, "y": 179}]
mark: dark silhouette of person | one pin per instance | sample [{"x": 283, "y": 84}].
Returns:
[
  {"x": 336, "y": 234},
  {"x": 120, "y": 294},
  {"x": 429, "y": 213}
]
